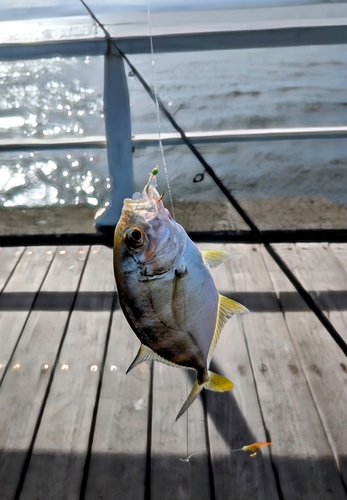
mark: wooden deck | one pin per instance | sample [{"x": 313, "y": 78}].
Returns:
[{"x": 74, "y": 426}]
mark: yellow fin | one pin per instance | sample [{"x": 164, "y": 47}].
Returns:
[
  {"x": 229, "y": 307},
  {"x": 218, "y": 383},
  {"x": 226, "y": 309},
  {"x": 214, "y": 383},
  {"x": 146, "y": 354},
  {"x": 213, "y": 258}
]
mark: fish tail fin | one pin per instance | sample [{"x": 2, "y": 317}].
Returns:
[
  {"x": 215, "y": 382},
  {"x": 194, "y": 393},
  {"x": 218, "y": 383}
]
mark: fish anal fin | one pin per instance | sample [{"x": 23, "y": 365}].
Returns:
[
  {"x": 143, "y": 354},
  {"x": 146, "y": 354},
  {"x": 213, "y": 258},
  {"x": 226, "y": 309}
]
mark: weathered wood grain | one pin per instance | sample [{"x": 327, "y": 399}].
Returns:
[
  {"x": 25, "y": 383},
  {"x": 339, "y": 318},
  {"x": 340, "y": 250},
  {"x": 301, "y": 452},
  {"x": 118, "y": 461},
  {"x": 27, "y": 277},
  {"x": 31, "y": 269},
  {"x": 8, "y": 259},
  {"x": 170, "y": 476},
  {"x": 58, "y": 458},
  {"x": 322, "y": 361},
  {"x": 234, "y": 418},
  {"x": 318, "y": 269}
]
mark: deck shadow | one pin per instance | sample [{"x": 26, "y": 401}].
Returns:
[
  {"x": 330, "y": 300},
  {"x": 122, "y": 476},
  {"x": 266, "y": 475}
]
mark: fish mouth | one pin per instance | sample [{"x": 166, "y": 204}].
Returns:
[{"x": 147, "y": 204}]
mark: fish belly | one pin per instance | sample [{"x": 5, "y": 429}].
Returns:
[{"x": 175, "y": 314}]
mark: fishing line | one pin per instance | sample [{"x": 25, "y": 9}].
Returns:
[
  {"x": 256, "y": 231},
  {"x": 251, "y": 448},
  {"x": 188, "y": 457},
  {"x": 262, "y": 237},
  {"x": 153, "y": 94},
  {"x": 156, "y": 102}
]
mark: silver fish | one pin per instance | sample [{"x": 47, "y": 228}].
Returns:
[{"x": 166, "y": 291}]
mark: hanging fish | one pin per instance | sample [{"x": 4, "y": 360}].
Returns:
[{"x": 167, "y": 293}]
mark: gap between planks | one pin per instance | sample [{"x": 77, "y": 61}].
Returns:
[
  {"x": 322, "y": 361},
  {"x": 301, "y": 453},
  {"x": 58, "y": 458},
  {"x": 25, "y": 383}
]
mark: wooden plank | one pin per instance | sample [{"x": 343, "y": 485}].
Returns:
[
  {"x": 25, "y": 383},
  {"x": 301, "y": 453},
  {"x": 27, "y": 277},
  {"x": 319, "y": 270},
  {"x": 172, "y": 441},
  {"x": 31, "y": 269},
  {"x": 8, "y": 259},
  {"x": 170, "y": 476},
  {"x": 322, "y": 362},
  {"x": 118, "y": 461},
  {"x": 314, "y": 265},
  {"x": 340, "y": 250},
  {"x": 234, "y": 419},
  {"x": 339, "y": 318},
  {"x": 58, "y": 458}
]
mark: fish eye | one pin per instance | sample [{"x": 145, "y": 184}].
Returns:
[
  {"x": 134, "y": 238},
  {"x": 136, "y": 235}
]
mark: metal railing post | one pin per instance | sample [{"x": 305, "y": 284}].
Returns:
[{"x": 118, "y": 138}]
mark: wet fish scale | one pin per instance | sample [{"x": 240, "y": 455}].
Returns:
[{"x": 166, "y": 291}]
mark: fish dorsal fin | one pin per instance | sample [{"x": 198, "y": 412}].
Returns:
[
  {"x": 146, "y": 354},
  {"x": 226, "y": 309},
  {"x": 213, "y": 258}
]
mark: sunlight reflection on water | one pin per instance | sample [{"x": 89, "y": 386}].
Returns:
[
  {"x": 52, "y": 98},
  {"x": 54, "y": 178}
]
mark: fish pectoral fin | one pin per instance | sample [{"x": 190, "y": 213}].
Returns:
[
  {"x": 226, "y": 309},
  {"x": 144, "y": 354},
  {"x": 215, "y": 382},
  {"x": 218, "y": 383},
  {"x": 213, "y": 258}
]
